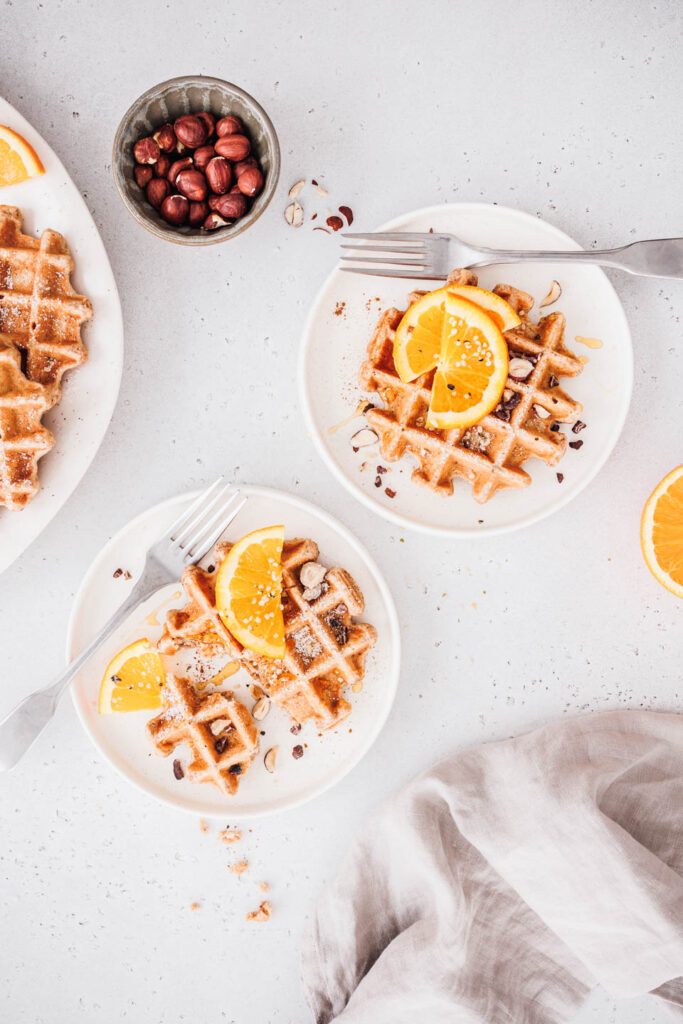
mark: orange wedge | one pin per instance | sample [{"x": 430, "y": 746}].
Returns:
[
  {"x": 472, "y": 370},
  {"x": 417, "y": 342},
  {"x": 500, "y": 311},
  {"x": 249, "y": 592},
  {"x": 661, "y": 532},
  {"x": 18, "y": 160},
  {"x": 132, "y": 680}
]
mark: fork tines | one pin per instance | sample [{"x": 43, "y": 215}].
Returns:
[
  {"x": 397, "y": 254},
  {"x": 198, "y": 529}
]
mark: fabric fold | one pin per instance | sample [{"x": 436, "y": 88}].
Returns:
[{"x": 512, "y": 878}]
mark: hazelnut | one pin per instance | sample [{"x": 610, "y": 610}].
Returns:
[
  {"x": 213, "y": 221},
  {"x": 177, "y": 166},
  {"x": 231, "y": 206},
  {"x": 191, "y": 131},
  {"x": 235, "y": 188},
  {"x": 202, "y": 156},
  {"x": 146, "y": 151},
  {"x": 192, "y": 183},
  {"x": 174, "y": 209},
  {"x": 250, "y": 181},
  {"x": 212, "y": 200},
  {"x": 209, "y": 120},
  {"x": 165, "y": 138},
  {"x": 234, "y": 147},
  {"x": 229, "y": 126},
  {"x": 162, "y": 166},
  {"x": 197, "y": 214},
  {"x": 143, "y": 174},
  {"x": 219, "y": 175},
  {"x": 241, "y": 165},
  {"x": 156, "y": 191}
]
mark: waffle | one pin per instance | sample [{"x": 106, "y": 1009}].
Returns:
[
  {"x": 489, "y": 455},
  {"x": 217, "y": 728},
  {"x": 22, "y": 438},
  {"x": 324, "y": 649},
  {"x": 40, "y": 313}
]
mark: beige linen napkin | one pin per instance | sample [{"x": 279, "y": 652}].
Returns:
[{"x": 509, "y": 880}]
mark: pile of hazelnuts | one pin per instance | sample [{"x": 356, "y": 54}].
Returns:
[{"x": 198, "y": 171}]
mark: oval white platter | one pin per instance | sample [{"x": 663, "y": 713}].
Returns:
[
  {"x": 340, "y": 325},
  {"x": 81, "y": 418},
  {"x": 121, "y": 738}
]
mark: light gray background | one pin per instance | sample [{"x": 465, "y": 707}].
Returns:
[{"x": 567, "y": 110}]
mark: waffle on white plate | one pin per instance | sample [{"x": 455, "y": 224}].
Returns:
[
  {"x": 40, "y": 320},
  {"x": 490, "y": 454}
]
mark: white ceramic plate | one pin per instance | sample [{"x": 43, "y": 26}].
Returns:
[
  {"x": 340, "y": 325},
  {"x": 328, "y": 757},
  {"x": 89, "y": 394}
]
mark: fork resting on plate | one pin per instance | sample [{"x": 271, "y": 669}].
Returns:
[
  {"x": 190, "y": 537},
  {"x": 433, "y": 256}
]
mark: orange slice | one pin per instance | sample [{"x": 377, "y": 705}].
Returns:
[
  {"x": 18, "y": 160},
  {"x": 473, "y": 367},
  {"x": 132, "y": 680},
  {"x": 249, "y": 592},
  {"x": 500, "y": 311},
  {"x": 661, "y": 532},
  {"x": 417, "y": 342}
]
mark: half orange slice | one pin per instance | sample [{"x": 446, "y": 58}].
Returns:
[
  {"x": 661, "y": 532},
  {"x": 249, "y": 592},
  {"x": 18, "y": 160}
]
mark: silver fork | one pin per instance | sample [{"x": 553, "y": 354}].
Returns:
[
  {"x": 187, "y": 541},
  {"x": 426, "y": 255}
]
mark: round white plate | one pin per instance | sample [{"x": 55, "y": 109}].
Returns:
[
  {"x": 340, "y": 326},
  {"x": 81, "y": 418},
  {"x": 328, "y": 757}
]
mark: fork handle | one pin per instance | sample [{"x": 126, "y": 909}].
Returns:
[
  {"x": 657, "y": 257},
  {"x": 27, "y": 720}
]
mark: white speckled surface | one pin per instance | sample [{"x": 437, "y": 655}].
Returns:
[{"x": 564, "y": 110}]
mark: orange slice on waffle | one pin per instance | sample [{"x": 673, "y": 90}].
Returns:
[
  {"x": 18, "y": 160},
  {"x": 500, "y": 311},
  {"x": 661, "y": 532},
  {"x": 249, "y": 592},
  {"x": 472, "y": 369},
  {"x": 132, "y": 680}
]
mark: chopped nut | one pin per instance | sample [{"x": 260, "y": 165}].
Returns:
[
  {"x": 576, "y": 445},
  {"x": 262, "y": 914},
  {"x": 347, "y": 212},
  {"x": 294, "y": 215},
  {"x": 507, "y": 394},
  {"x": 336, "y": 223},
  {"x": 578, "y": 427},
  {"x": 260, "y": 709},
  {"x": 257, "y": 691},
  {"x": 219, "y": 725},
  {"x": 553, "y": 295},
  {"x": 297, "y": 752},
  {"x": 363, "y": 438},
  {"x": 295, "y": 729},
  {"x": 520, "y": 369},
  {"x": 320, "y": 190},
  {"x": 178, "y": 769},
  {"x": 312, "y": 593},
  {"x": 239, "y": 868},
  {"x": 312, "y": 574},
  {"x": 541, "y": 412},
  {"x": 270, "y": 759},
  {"x": 560, "y": 477},
  {"x": 296, "y": 188}
]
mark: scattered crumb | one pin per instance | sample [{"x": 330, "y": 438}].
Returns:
[
  {"x": 117, "y": 573},
  {"x": 263, "y": 886},
  {"x": 262, "y": 914},
  {"x": 127, "y": 575},
  {"x": 230, "y": 835},
  {"x": 239, "y": 868},
  {"x": 203, "y": 827},
  {"x": 339, "y": 309},
  {"x": 195, "y": 906}
]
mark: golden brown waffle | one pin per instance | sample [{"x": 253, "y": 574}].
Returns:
[
  {"x": 216, "y": 727},
  {"x": 22, "y": 438},
  {"x": 324, "y": 649},
  {"x": 490, "y": 454},
  {"x": 40, "y": 313}
]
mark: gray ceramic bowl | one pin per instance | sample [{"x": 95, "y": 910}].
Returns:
[{"x": 166, "y": 102}]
